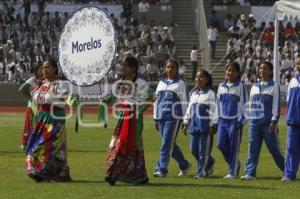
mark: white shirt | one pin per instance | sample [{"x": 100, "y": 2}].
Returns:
[
  {"x": 151, "y": 68},
  {"x": 241, "y": 61},
  {"x": 182, "y": 69},
  {"x": 287, "y": 63},
  {"x": 143, "y": 7},
  {"x": 242, "y": 2},
  {"x": 142, "y": 69},
  {"x": 1, "y": 68},
  {"x": 212, "y": 34},
  {"x": 228, "y": 23},
  {"x": 194, "y": 55}
]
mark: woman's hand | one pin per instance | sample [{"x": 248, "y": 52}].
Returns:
[
  {"x": 273, "y": 127},
  {"x": 212, "y": 130},
  {"x": 156, "y": 123},
  {"x": 239, "y": 127},
  {"x": 184, "y": 129},
  {"x": 154, "y": 98},
  {"x": 72, "y": 100}
]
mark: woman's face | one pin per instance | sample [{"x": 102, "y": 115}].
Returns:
[
  {"x": 264, "y": 72},
  {"x": 48, "y": 71},
  {"x": 231, "y": 73},
  {"x": 201, "y": 80},
  {"x": 171, "y": 70}
]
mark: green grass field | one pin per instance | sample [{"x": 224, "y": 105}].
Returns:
[{"x": 87, "y": 151}]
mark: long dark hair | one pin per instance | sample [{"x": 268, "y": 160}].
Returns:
[
  {"x": 208, "y": 77},
  {"x": 133, "y": 63},
  {"x": 270, "y": 66},
  {"x": 53, "y": 63},
  {"x": 175, "y": 63},
  {"x": 236, "y": 66},
  {"x": 37, "y": 68}
]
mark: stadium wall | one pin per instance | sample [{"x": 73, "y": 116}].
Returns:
[
  {"x": 157, "y": 13},
  {"x": 10, "y": 95}
]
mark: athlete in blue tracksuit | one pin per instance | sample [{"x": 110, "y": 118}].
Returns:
[
  {"x": 169, "y": 107},
  {"x": 293, "y": 121},
  {"x": 231, "y": 97},
  {"x": 263, "y": 112},
  {"x": 201, "y": 119}
]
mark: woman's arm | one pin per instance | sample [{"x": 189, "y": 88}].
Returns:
[
  {"x": 24, "y": 92},
  {"x": 26, "y": 88},
  {"x": 276, "y": 104},
  {"x": 213, "y": 110}
]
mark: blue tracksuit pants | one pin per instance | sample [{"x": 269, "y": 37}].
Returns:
[
  {"x": 292, "y": 152},
  {"x": 258, "y": 133},
  {"x": 229, "y": 140},
  {"x": 201, "y": 146},
  {"x": 168, "y": 131}
]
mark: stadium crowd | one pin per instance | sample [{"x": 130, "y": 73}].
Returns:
[
  {"x": 250, "y": 45},
  {"x": 27, "y": 40},
  {"x": 242, "y": 2}
]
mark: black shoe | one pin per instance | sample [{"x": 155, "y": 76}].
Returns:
[
  {"x": 66, "y": 178},
  {"x": 110, "y": 181},
  {"x": 143, "y": 182},
  {"x": 36, "y": 178}
]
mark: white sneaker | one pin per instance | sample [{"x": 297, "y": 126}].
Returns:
[
  {"x": 198, "y": 177},
  {"x": 185, "y": 171},
  {"x": 159, "y": 174},
  {"x": 23, "y": 147},
  {"x": 285, "y": 179},
  {"x": 210, "y": 171},
  {"x": 228, "y": 176},
  {"x": 247, "y": 177}
]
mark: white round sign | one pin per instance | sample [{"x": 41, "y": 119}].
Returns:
[{"x": 87, "y": 46}]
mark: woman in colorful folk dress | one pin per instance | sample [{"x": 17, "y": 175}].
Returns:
[
  {"x": 125, "y": 160},
  {"x": 46, "y": 150},
  {"x": 25, "y": 91}
]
